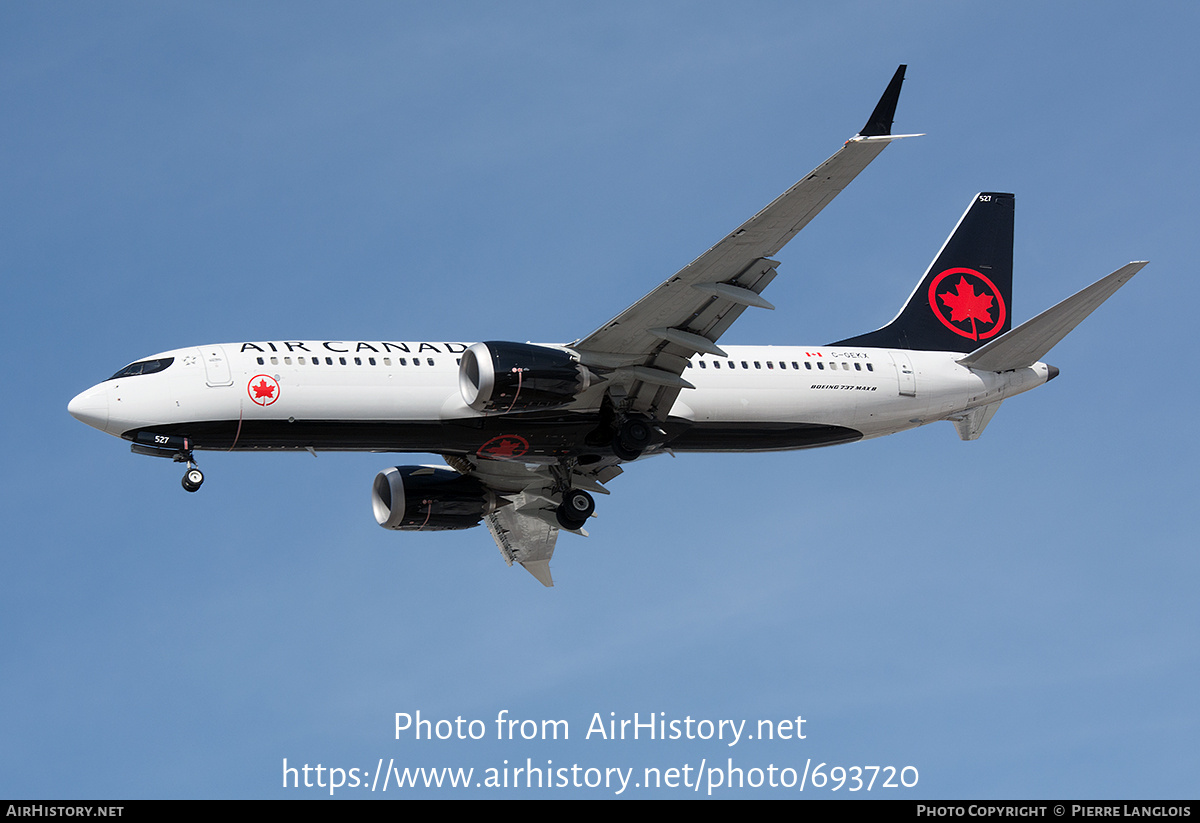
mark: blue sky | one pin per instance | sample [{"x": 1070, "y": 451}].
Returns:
[{"x": 1013, "y": 617}]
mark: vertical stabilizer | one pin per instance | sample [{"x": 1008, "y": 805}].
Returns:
[{"x": 965, "y": 298}]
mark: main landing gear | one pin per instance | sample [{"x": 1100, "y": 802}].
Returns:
[
  {"x": 576, "y": 508},
  {"x": 632, "y": 437},
  {"x": 627, "y": 433},
  {"x": 577, "y": 505}
]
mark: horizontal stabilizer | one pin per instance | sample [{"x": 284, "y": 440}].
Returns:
[{"x": 1029, "y": 342}]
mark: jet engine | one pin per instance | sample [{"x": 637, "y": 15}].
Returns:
[
  {"x": 429, "y": 498},
  {"x": 502, "y": 377}
]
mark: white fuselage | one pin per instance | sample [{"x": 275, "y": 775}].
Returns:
[{"x": 376, "y": 396}]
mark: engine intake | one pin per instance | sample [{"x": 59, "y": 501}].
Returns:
[
  {"x": 429, "y": 498},
  {"x": 503, "y": 377}
]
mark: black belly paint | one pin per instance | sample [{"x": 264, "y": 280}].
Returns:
[{"x": 512, "y": 436}]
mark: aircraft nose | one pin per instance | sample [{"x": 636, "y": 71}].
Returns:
[{"x": 91, "y": 407}]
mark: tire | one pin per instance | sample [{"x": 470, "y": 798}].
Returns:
[
  {"x": 632, "y": 439},
  {"x": 565, "y": 521},
  {"x": 192, "y": 480},
  {"x": 624, "y": 453},
  {"x": 635, "y": 434},
  {"x": 576, "y": 508},
  {"x": 579, "y": 503}
]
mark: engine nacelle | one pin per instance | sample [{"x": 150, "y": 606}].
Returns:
[
  {"x": 502, "y": 377},
  {"x": 429, "y": 498}
]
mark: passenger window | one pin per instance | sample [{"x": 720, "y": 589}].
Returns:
[{"x": 260, "y": 362}]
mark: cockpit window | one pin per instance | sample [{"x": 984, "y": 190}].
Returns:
[{"x": 144, "y": 367}]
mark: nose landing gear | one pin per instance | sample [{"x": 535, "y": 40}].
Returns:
[
  {"x": 192, "y": 478},
  {"x": 172, "y": 447}
]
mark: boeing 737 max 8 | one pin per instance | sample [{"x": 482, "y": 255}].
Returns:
[{"x": 530, "y": 432}]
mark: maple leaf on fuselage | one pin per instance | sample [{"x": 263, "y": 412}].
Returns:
[
  {"x": 505, "y": 448},
  {"x": 965, "y": 304},
  {"x": 263, "y": 390}
]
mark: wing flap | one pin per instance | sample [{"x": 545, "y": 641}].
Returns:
[{"x": 524, "y": 539}]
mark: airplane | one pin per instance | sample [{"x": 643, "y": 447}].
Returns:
[{"x": 530, "y": 432}]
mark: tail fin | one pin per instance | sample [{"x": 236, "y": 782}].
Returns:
[{"x": 965, "y": 298}]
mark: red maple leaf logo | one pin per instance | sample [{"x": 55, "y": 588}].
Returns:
[
  {"x": 505, "y": 446},
  {"x": 974, "y": 299},
  {"x": 265, "y": 391}
]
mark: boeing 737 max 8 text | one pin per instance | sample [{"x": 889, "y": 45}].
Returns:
[{"x": 530, "y": 432}]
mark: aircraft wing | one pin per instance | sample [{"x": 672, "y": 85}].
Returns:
[
  {"x": 648, "y": 345},
  {"x": 526, "y": 539},
  {"x": 525, "y": 528}
]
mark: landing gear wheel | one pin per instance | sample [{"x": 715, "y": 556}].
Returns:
[
  {"x": 192, "y": 479},
  {"x": 632, "y": 438},
  {"x": 576, "y": 508},
  {"x": 624, "y": 453}
]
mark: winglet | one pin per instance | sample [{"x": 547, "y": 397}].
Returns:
[{"x": 880, "y": 122}]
